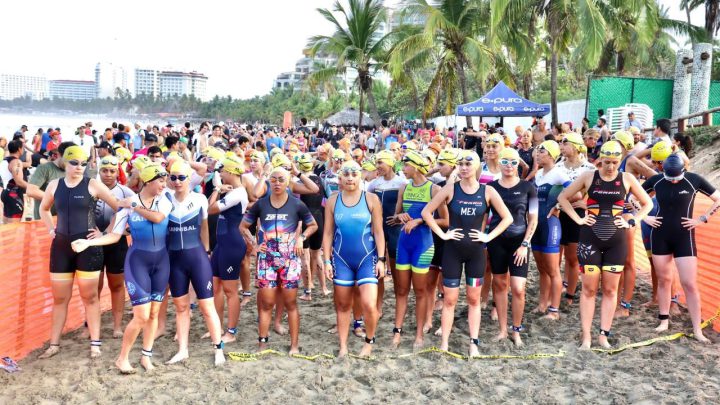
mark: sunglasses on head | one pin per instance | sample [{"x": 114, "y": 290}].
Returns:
[
  {"x": 181, "y": 177},
  {"x": 506, "y": 162},
  {"x": 77, "y": 163}
]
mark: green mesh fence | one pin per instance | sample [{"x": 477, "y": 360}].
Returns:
[{"x": 612, "y": 92}]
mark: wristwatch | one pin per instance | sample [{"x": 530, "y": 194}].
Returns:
[
  {"x": 525, "y": 244},
  {"x": 382, "y": 259},
  {"x": 303, "y": 237},
  {"x": 134, "y": 204},
  {"x": 703, "y": 219},
  {"x": 631, "y": 222}
]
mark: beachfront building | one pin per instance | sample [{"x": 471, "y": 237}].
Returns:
[
  {"x": 174, "y": 83},
  {"x": 108, "y": 78},
  {"x": 146, "y": 82},
  {"x": 16, "y": 86},
  {"x": 72, "y": 89}
]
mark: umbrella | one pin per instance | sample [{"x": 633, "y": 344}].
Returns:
[{"x": 349, "y": 116}]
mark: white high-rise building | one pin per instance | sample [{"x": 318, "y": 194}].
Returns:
[
  {"x": 16, "y": 86},
  {"x": 146, "y": 82},
  {"x": 72, "y": 89},
  {"x": 109, "y": 77},
  {"x": 174, "y": 83}
]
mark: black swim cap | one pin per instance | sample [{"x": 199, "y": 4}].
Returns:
[{"x": 674, "y": 167}]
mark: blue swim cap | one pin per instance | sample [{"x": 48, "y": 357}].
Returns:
[{"x": 674, "y": 167}]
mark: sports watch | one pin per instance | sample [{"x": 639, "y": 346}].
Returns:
[
  {"x": 631, "y": 222},
  {"x": 525, "y": 244},
  {"x": 134, "y": 204},
  {"x": 382, "y": 259}
]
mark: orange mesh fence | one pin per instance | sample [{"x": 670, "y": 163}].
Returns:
[{"x": 27, "y": 299}]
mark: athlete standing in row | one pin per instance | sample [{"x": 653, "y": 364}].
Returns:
[
  {"x": 673, "y": 236},
  {"x": 467, "y": 201},
  {"x": 353, "y": 237},
  {"x": 74, "y": 197},
  {"x": 602, "y": 245},
  {"x": 510, "y": 251},
  {"x": 188, "y": 244}
]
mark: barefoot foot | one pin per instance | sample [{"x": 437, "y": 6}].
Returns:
[
  {"x": 603, "y": 342},
  {"x": 124, "y": 367},
  {"x": 95, "y": 352},
  {"x": 51, "y": 351},
  {"x": 517, "y": 340},
  {"x": 280, "y": 330},
  {"x": 117, "y": 334},
  {"x": 501, "y": 336},
  {"x": 293, "y": 350},
  {"x": 229, "y": 337},
  {"x": 366, "y": 350},
  {"x": 146, "y": 362},
  {"x": 494, "y": 314},
  {"x": 664, "y": 325},
  {"x": 181, "y": 355},
  {"x": 219, "y": 357}
]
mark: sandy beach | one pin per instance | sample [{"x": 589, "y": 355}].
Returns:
[{"x": 681, "y": 371}]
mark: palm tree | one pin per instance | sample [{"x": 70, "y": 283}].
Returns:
[
  {"x": 712, "y": 15},
  {"x": 451, "y": 41},
  {"x": 355, "y": 46}
]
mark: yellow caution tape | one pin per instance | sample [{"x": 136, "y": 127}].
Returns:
[{"x": 649, "y": 342}]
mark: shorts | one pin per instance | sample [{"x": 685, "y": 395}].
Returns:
[
  {"x": 350, "y": 275},
  {"x": 278, "y": 266},
  {"x": 314, "y": 242},
  {"x": 190, "y": 265},
  {"x": 114, "y": 256},
  {"x": 64, "y": 261},
  {"x": 13, "y": 202},
  {"x": 646, "y": 231},
  {"x": 226, "y": 260},
  {"x": 471, "y": 256},
  {"x": 502, "y": 256},
  {"x": 392, "y": 234},
  {"x": 595, "y": 254},
  {"x": 146, "y": 275},
  {"x": 547, "y": 236},
  {"x": 415, "y": 250},
  {"x": 678, "y": 242},
  {"x": 439, "y": 249},
  {"x": 570, "y": 229}
]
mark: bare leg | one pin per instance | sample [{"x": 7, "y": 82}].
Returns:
[
  {"x": 553, "y": 271},
  {"x": 149, "y": 333},
  {"x": 266, "y": 302},
  {"x": 432, "y": 275},
  {"x": 628, "y": 281},
  {"x": 289, "y": 297},
  {"x": 161, "y": 329},
  {"x": 590, "y": 284},
  {"x": 687, "y": 268},
  {"x": 544, "y": 283},
  {"x": 116, "y": 282},
  {"x": 663, "y": 270},
  {"x": 230, "y": 289},
  {"x": 245, "y": 277},
  {"x": 343, "y": 304},
  {"x": 500, "y": 286},
  {"x": 517, "y": 285},
  {"x": 62, "y": 292},
  {"x": 368, "y": 298},
  {"x": 448, "y": 315},
  {"x": 306, "y": 275},
  {"x": 474, "y": 314},
  {"x": 420, "y": 286},
  {"x": 279, "y": 311},
  {"x": 571, "y": 270},
  {"x": 401, "y": 279},
  {"x": 610, "y": 283},
  {"x": 89, "y": 294},
  {"x": 182, "y": 320},
  {"x": 141, "y": 316},
  {"x": 212, "y": 320}
]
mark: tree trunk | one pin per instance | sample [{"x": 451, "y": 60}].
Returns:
[
  {"x": 463, "y": 89},
  {"x": 712, "y": 11},
  {"x": 606, "y": 57},
  {"x": 372, "y": 107},
  {"x": 687, "y": 15},
  {"x": 360, "y": 108},
  {"x": 620, "y": 63},
  {"x": 527, "y": 83},
  {"x": 553, "y": 86},
  {"x": 415, "y": 98}
]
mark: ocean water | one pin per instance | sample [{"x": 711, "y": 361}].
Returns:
[{"x": 67, "y": 122}]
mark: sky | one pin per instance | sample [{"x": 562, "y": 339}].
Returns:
[{"x": 240, "y": 45}]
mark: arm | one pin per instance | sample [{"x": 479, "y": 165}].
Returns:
[
  {"x": 440, "y": 198},
  {"x": 329, "y": 231},
  {"x": 577, "y": 186},
  {"x": 639, "y": 193},
  {"x": 205, "y": 235},
  {"x": 376, "y": 222},
  {"x": 493, "y": 198},
  {"x": 199, "y": 167},
  {"x": 307, "y": 186},
  {"x": 16, "y": 171},
  {"x": 443, "y": 219},
  {"x": 640, "y": 168},
  {"x": 100, "y": 190},
  {"x": 260, "y": 189},
  {"x": 48, "y": 200},
  {"x": 245, "y": 232},
  {"x": 153, "y": 216}
]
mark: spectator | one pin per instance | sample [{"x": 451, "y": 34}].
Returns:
[{"x": 632, "y": 122}]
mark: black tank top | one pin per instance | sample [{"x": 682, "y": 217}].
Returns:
[
  {"x": 606, "y": 200},
  {"x": 75, "y": 208},
  {"x": 313, "y": 201},
  {"x": 467, "y": 210}
]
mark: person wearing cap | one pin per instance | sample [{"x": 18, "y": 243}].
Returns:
[
  {"x": 312, "y": 255},
  {"x": 386, "y": 186},
  {"x": 150, "y": 141},
  {"x": 13, "y": 177},
  {"x": 230, "y": 201},
  {"x": 147, "y": 264},
  {"x": 443, "y": 173},
  {"x": 255, "y": 174},
  {"x": 358, "y": 155},
  {"x": 590, "y": 138},
  {"x": 574, "y": 163},
  {"x": 467, "y": 202},
  {"x": 415, "y": 244},
  {"x": 369, "y": 170},
  {"x": 278, "y": 262},
  {"x": 632, "y": 122},
  {"x": 188, "y": 247},
  {"x": 633, "y": 165},
  {"x": 74, "y": 198},
  {"x": 549, "y": 180},
  {"x": 352, "y": 242},
  {"x": 510, "y": 251},
  {"x": 84, "y": 141},
  {"x": 638, "y": 137},
  {"x": 304, "y": 186},
  {"x": 673, "y": 236},
  {"x": 54, "y": 140},
  {"x": 602, "y": 245},
  {"x": 329, "y": 177}
]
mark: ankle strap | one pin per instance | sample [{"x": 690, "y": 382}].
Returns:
[
  {"x": 625, "y": 304},
  {"x": 475, "y": 341},
  {"x": 263, "y": 339},
  {"x": 232, "y": 331},
  {"x": 370, "y": 341},
  {"x": 220, "y": 345},
  {"x": 604, "y": 332},
  {"x": 96, "y": 343},
  {"x": 663, "y": 317},
  {"x": 552, "y": 309},
  {"x": 518, "y": 329},
  {"x": 398, "y": 330},
  {"x": 147, "y": 353}
]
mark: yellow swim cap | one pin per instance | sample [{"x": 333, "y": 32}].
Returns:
[
  {"x": 233, "y": 165},
  {"x": 576, "y": 141},
  {"x": 470, "y": 156},
  {"x": 350, "y": 165},
  {"x": 660, "y": 151},
  {"x": 109, "y": 162},
  {"x": 430, "y": 156},
  {"x": 215, "y": 154},
  {"x": 625, "y": 138},
  {"x": 416, "y": 160},
  {"x": 75, "y": 153},
  {"x": 448, "y": 157},
  {"x": 281, "y": 171},
  {"x": 410, "y": 145},
  {"x": 386, "y": 157},
  {"x": 152, "y": 172},
  {"x": 611, "y": 149},
  {"x": 280, "y": 160},
  {"x": 258, "y": 155},
  {"x": 181, "y": 167},
  {"x": 369, "y": 165},
  {"x": 305, "y": 162},
  {"x": 339, "y": 154},
  {"x": 495, "y": 138},
  {"x": 552, "y": 148},
  {"x": 123, "y": 154},
  {"x": 509, "y": 153},
  {"x": 141, "y": 161}
]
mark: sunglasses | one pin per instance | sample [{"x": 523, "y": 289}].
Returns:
[
  {"x": 176, "y": 178},
  {"x": 277, "y": 180},
  {"x": 508, "y": 162},
  {"x": 107, "y": 162},
  {"x": 77, "y": 163},
  {"x": 611, "y": 154},
  {"x": 350, "y": 173},
  {"x": 338, "y": 160}
]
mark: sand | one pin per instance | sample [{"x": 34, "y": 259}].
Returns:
[{"x": 681, "y": 371}]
